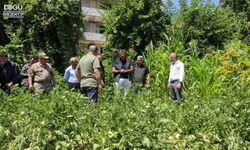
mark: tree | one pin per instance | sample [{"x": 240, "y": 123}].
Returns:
[
  {"x": 54, "y": 26},
  {"x": 134, "y": 23},
  {"x": 207, "y": 26},
  {"x": 241, "y": 6},
  {"x": 238, "y": 6}
]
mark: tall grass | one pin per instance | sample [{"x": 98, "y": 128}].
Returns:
[{"x": 214, "y": 115}]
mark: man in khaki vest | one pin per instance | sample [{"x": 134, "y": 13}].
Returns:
[
  {"x": 41, "y": 76},
  {"x": 141, "y": 76}
]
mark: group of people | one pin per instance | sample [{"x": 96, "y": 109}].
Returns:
[
  {"x": 87, "y": 75},
  {"x": 36, "y": 75}
]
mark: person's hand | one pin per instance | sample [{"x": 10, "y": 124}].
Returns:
[
  {"x": 169, "y": 85},
  {"x": 99, "y": 87},
  {"x": 9, "y": 85},
  {"x": 178, "y": 86},
  {"x": 146, "y": 85},
  {"x": 122, "y": 71},
  {"x": 30, "y": 88}
]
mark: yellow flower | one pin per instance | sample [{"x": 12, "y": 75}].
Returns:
[
  {"x": 226, "y": 56},
  {"x": 235, "y": 68}
]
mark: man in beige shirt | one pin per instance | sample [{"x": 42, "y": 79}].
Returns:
[{"x": 41, "y": 76}]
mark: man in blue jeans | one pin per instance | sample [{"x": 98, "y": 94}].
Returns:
[
  {"x": 176, "y": 76},
  {"x": 88, "y": 73},
  {"x": 122, "y": 69}
]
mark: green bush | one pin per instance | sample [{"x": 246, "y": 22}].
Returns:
[{"x": 214, "y": 115}]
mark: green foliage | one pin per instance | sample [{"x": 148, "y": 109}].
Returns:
[
  {"x": 238, "y": 6},
  {"x": 133, "y": 24},
  {"x": 52, "y": 26},
  {"x": 214, "y": 115},
  {"x": 148, "y": 120},
  {"x": 234, "y": 62},
  {"x": 206, "y": 26},
  {"x": 241, "y": 7}
]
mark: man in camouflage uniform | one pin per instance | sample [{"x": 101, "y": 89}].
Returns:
[{"x": 42, "y": 75}]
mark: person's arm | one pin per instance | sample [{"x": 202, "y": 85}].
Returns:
[
  {"x": 31, "y": 74},
  {"x": 30, "y": 82},
  {"x": 169, "y": 84},
  {"x": 130, "y": 70},
  {"x": 181, "y": 72},
  {"x": 66, "y": 75},
  {"x": 179, "y": 85},
  {"x": 147, "y": 83},
  {"x": 53, "y": 78},
  {"x": 98, "y": 78},
  {"x": 97, "y": 67},
  {"x": 147, "y": 78},
  {"x": 14, "y": 77},
  {"x": 78, "y": 74},
  {"x": 114, "y": 70}
]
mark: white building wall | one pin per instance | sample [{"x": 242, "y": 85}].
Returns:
[{"x": 93, "y": 20}]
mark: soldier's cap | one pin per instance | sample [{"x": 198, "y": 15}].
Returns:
[{"x": 43, "y": 55}]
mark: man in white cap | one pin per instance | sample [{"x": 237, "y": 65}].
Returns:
[{"x": 41, "y": 76}]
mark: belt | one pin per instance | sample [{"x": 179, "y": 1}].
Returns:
[
  {"x": 173, "y": 81},
  {"x": 41, "y": 82}
]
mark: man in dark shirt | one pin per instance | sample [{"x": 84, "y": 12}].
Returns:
[
  {"x": 24, "y": 72},
  {"x": 122, "y": 69},
  {"x": 9, "y": 73}
]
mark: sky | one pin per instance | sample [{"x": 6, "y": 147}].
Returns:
[{"x": 176, "y": 2}]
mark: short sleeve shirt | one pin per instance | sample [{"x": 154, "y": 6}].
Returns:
[
  {"x": 118, "y": 64},
  {"x": 140, "y": 73},
  {"x": 86, "y": 66},
  {"x": 41, "y": 73}
]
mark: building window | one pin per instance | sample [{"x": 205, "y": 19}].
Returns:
[
  {"x": 101, "y": 29},
  {"x": 86, "y": 3}
]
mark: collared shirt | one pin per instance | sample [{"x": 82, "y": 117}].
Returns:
[
  {"x": 176, "y": 71},
  {"x": 86, "y": 66},
  {"x": 42, "y": 73},
  {"x": 70, "y": 75}
]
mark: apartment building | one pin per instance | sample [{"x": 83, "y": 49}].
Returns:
[{"x": 93, "y": 21}]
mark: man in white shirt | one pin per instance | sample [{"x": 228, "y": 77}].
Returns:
[
  {"x": 176, "y": 76},
  {"x": 70, "y": 74}
]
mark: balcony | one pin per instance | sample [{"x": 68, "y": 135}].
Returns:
[
  {"x": 92, "y": 14},
  {"x": 89, "y": 36}
]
